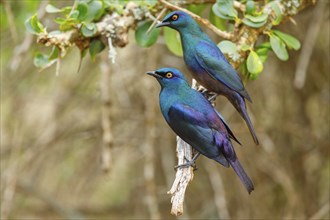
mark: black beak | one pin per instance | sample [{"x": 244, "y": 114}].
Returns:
[
  {"x": 164, "y": 23},
  {"x": 154, "y": 73}
]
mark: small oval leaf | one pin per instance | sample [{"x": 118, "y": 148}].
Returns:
[
  {"x": 250, "y": 8},
  {"x": 88, "y": 29},
  {"x": 254, "y": 64},
  {"x": 289, "y": 40},
  {"x": 173, "y": 41},
  {"x": 95, "y": 10},
  {"x": 83, "y": 10},
  {"x": 257, "y": 19},
  {"x": 40, "y": 60},
  {"x": 217, "y": 21},
  {"x": 33, "y": 25},
  {"x": 279, "y": 48},
  {"x": 250, "y": 23},
  {"x": 278, "y": 13},
  {"x": 52, "y": 9},
  {"x": 143, "y": 38},
  {"x": 95, "y": 47},
  {"x": 225, "y": 9}
]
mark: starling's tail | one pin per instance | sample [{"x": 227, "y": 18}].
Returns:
[
  {"x": 239, "y": 103},
  {"x": 236, "y": 165},
  {"x": 246, "y": 118}
]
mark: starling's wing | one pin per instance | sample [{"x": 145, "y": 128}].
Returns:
[
  {"x": 230, "y": 132},
  {"x": 197, "y": 129},
  {"x": 211, "y": 59}
]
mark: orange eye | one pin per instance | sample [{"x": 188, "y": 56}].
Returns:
[
  {"x": 169, "y": 75},
  {"x": 175, "y": 17}
]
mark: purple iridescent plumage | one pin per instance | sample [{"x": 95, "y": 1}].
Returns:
[
  {"x": 208, "y": 65},
  {"x": 194, "y": 119}
]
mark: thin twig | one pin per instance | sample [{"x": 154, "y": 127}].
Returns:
[
  {"x": 205, "y": 22},
  {"x": 308, "y": 45},
  {"x": 239, "y": 6},
  {"x": 219, "y": 191},
  {"x": 107, "y": 140},
  {"x": 11, "y": 20},
  {"x": 156, "y": 20}
]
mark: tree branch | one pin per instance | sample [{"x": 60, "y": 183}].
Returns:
[
  {"x": 114, "y": 25},
  {"x": 182, "y": 178}
]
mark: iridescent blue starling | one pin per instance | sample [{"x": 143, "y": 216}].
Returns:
[
  {"x": 208, "y": 65},
  {"x": 194, "y": 119}
]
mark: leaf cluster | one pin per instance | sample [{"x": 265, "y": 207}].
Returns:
[{"x": 223, "y": 14}]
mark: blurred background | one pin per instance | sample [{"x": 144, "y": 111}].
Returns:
[{"x": 51, "y": 133}]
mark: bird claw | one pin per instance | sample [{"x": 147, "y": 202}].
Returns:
[{"x": 188, "y": 164}]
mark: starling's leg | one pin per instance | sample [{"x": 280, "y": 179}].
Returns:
[
  {"x": 212, "y": 98},
  {"x": 189, "y": 162}
]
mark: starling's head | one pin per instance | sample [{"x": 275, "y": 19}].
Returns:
[
  {"x": 177, "y": 20},
  {"x": 168, "y": 76}
]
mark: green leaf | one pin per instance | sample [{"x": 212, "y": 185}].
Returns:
[
  {"x": 263, "y": 53},
  {"x": 217, "y": 21},
  {"x": 250, "y": 8},
  {"x": 254, "y": 64},
  {"x": 52, "y": 9},
  {"x": 197, "y": 8},
  {"x": 95, "y": 10},
  {"x": 245, "y": 47},
  {"x": 143, "y": 38},
  {"x": 278, "y": 13},
  {"x": 40, "y": 60},
  {"x": 254, "y": 24},
  {"x": 173, "y": 41},
  {"x": 289, "y": 40},
  {"x": 279, "y": 48},
  {"x": 257, "y": 19},
  {"x": 95, "y": 47},
  {"x": 225, "y": 9},
  {"x": 54, "y": 54},
  {"x": 74, "y": 14},
  {"x": 66, "y": 24},
  {"x": 228, "y": 47},
  {"x": 265, "y": 45},
  {"x": 82, "y": 8},
  {"x": 33, "y": 25},
  {"x": 88, "y": 29}
]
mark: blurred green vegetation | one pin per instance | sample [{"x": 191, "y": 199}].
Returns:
[{"x": 51, "y": 134}]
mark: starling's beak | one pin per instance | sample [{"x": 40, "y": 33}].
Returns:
[
  {"x": 164, "y": 23},
  {"x": 154, "y": 73}
]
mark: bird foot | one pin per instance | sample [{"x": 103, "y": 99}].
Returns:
[{"x": 189, "y": 163}]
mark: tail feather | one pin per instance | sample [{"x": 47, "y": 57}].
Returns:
[
  {"x": 245, "y": 179},
  {"x": 239, "y": 103},
  {"x": 250, "y": 126}
]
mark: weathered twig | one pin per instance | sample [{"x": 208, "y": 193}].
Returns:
[
  {"x": 222, "y": 34},
  {"x": 107, "y": 140},
  {"x": 182, "y": 178}
]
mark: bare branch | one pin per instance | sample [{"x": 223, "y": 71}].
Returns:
[
  {"x": 308, "y": 45},
  {"x": 182, "y": 178},
  {"x": 107, "y": 142}
]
